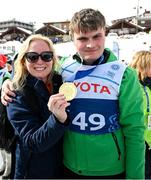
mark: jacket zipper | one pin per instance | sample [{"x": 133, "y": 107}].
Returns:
[{"x": 117, "y": 145}]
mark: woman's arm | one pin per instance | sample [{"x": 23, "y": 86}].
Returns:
[{"x": 35, "y": 134}]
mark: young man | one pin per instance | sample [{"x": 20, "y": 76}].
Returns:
[
  {"x": 106, "y": 135},
  {"x": 105, "y": 139}
]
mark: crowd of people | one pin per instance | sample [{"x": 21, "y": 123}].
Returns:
[{"x": 104, "y": 132}]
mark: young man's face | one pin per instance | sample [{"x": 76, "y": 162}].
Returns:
[{"x": 90, "y": 45}]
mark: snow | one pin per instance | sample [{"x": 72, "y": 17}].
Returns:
[{"x": 123, "y": 47}]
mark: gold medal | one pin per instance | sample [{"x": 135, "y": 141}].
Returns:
[{"x": 69, "y": 90}]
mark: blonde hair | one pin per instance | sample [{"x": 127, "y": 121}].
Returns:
[
  {"x": 141, "y": 61},
  {"x": 20, "y": 71}
]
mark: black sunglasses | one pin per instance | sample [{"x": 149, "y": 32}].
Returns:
[{"x": 33, "y": 57}]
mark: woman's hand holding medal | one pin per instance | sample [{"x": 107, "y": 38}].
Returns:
[
  {"x": 58, "y": 102},
  {"x": 57, "y": 105}
]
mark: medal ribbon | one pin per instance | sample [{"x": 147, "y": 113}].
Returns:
[
  {"x": 79, "y": 75},
  {"x": 147, "y": 99}
]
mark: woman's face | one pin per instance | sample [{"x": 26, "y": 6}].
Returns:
[
  {"x": 147, "y": 70},
  {"x": 39, "y": 69}
]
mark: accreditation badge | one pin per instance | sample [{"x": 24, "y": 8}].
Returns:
[{"x": 149, "y": 122}]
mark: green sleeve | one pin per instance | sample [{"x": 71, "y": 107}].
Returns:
[
  {"x": 7, "y": 76},
  {"x": 132, "y": 123},
  {"x": 63, "y": 59},
  {"x": 57, "y": 67},
  {"x": 4, "y": 76}
]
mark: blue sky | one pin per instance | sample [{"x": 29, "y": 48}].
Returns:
[{"x": 61, "y": 10}]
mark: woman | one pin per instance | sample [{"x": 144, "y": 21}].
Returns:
[
  {"x": 39, "y": 143},
  {"x": 142, "y": 63}
]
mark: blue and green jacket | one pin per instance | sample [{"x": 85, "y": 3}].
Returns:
[{"x": 106, "y": 136}]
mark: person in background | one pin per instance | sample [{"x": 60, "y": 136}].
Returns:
[
  {"x": 141, "y": 61},
  {"x": 5, "y": 169},
  {"x": 105, "y": 139},
  {"x": 9, "y": 66},
  {"x": 4, "y": 74},
  {"x": 39, "y": 143}
]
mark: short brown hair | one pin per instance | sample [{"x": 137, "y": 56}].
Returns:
[{"x": 87, "y": 20}]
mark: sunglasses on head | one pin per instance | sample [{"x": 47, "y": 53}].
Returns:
[{"x": 33, "y": 57}]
